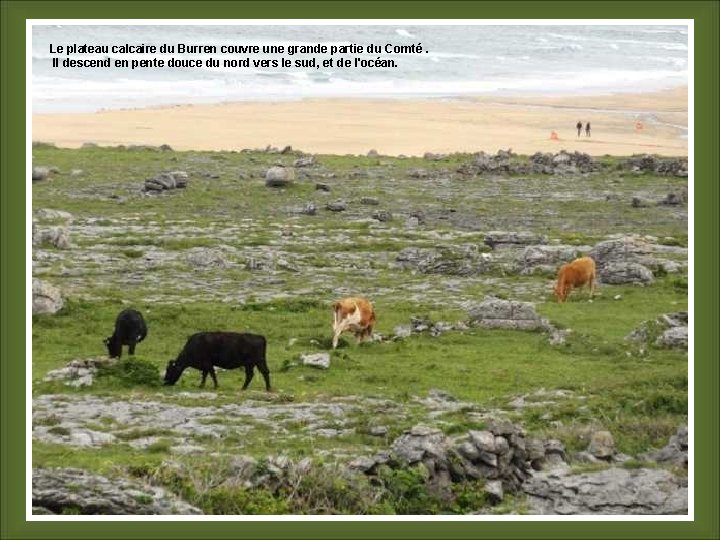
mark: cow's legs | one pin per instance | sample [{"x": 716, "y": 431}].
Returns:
[
  {"x": 265, "y": 372},
  {"x": 204, "y": 376},
  {"x": 593, "y": 285},
  {"x": 131, "y": 347},
  {"x": 214, "y": 377},
  {"x": 339, "y": 329},
  {"x": 249, "y": 373}
]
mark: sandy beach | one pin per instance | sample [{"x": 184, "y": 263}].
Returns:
[{"x": 392, "y": 126}]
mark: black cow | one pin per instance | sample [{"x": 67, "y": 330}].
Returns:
[
  {"x": 130, "y": 330},
  {"x": 227, "y": 350}
]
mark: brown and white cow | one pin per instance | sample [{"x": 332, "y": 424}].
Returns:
[
  {"x": 575, "y": 274},
  {"x": 355, "y": 315}
]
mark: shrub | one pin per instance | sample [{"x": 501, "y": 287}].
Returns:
[{"x": 131, "y": 372}]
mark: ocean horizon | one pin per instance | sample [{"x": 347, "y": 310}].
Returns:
[{"x": 457, "y": 61}]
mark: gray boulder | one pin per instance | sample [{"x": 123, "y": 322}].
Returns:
[
  {"x": 337, "y": 206},
  {"x": 319, "y": 360},
  {"x": 617, "y": 273},
  {"x": 496, "y": 313},
  {"x": 202, "y": 258},
  {"x": 167, "y": 181},
  {"x": 602, "y": 445},
  {"x": 40, "y": 173},
  {"x": 674, "y": 338},
  {"x": 58, "y": 237},
  {"x": 626, "y": 249},
  {"x": 46, "y": 298},
  {"x": 279, "y": 176},
  {"x": 673, "y": 330}
]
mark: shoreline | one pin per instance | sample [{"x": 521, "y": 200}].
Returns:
[{"x": 392, "y": 126}]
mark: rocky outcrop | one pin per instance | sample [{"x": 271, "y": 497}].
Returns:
[
  {"x": 50, "y": 214},
  {"x": 46, "y": 298},
  {"x": 78, "y": 372},
  {"x": 545, "y": 258},
  {"x": 674, "y": 453},
  {"x": 58, "y": 237},
  {"x": 615, "y": 491},
  {"x": 203, "y": 258},
  {"x": 673, "y": 338},
  {"x": 621, "y": 260},
  {"x": 509, "y": 314},
  {"x": 460, "y": 260},
  {"x": 512, "y": 238},
  {"x": 305, "y": 161},
  {"x": 506, "y": 162},
  {"x": 166, "y": 181},
  {"x": 499, "y": 453},
  {"x": 618, "y": 273},
  {"x": 59, "y": 490},
  {"x": 656, "y": 164},
  {"x": 669, "y": 330}
]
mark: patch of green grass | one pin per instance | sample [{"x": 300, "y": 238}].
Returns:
[
  {"x": 51, "y": 420},
  {"x": 160, "y": 446},
  {"x": 130, "y": 372},
  {"x": 143, "y": 499},
  {"x": 133, "y": 253}
]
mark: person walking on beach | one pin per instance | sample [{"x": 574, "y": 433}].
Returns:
[
  {"x": 579, "y": 127},
  {"x": 587, "y": 129}
]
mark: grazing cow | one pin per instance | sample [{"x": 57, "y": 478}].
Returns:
[
  {"x": 575, "y": 274},
  {"x": 130, "y": 330},
  {"x": 228, "y": 350},
  {"x": 355, "y": 315}
]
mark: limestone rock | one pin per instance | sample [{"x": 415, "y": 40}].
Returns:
[
  {"x": 616, "y": 491},
  {"x": 496, "y": 313},
  {"x": 500, "y": 238},
  {"x": 279, "y": 176},
  {"x": 602, "y": 445},
  {"x": 58, "y": 489},
  {"x": 625, "y": 272},
  {"x": 319, "y": 360},
  {"x": 46, "y": 298},
  {"x": 202, "y": 258}
]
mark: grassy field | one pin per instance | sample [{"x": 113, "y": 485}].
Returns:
[{"x": 129, "y": 249}]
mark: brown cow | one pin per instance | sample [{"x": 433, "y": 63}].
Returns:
[
  {"x": 575, "y": 274},
  {"x": 355, "y": 315}
]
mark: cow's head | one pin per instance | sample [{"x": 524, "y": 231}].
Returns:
[
  {"x": 172, "y": 372},
  {"x": 561, "y": 292},
  {"x": 113, "y": 346}
]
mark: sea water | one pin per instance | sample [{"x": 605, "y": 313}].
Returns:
[{"x": 455, "y": 61}]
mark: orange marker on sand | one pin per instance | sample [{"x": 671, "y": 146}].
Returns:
[
  {"x": 639, "y": 126},
  {"x": 554, "y": 136}
]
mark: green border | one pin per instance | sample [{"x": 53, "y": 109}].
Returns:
[{"x": 12, "y": 186}]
